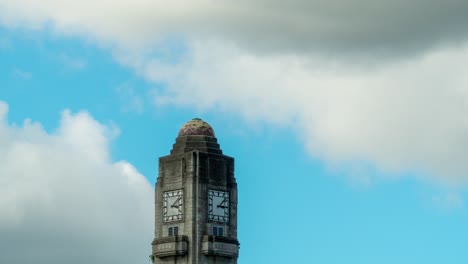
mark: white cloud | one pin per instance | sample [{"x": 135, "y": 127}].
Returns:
[
  {"x": 21, "y": 74},
  {"x": 131, "y": 101},
  {"x": 376, "y": 83},
  {"x": 406, "y": 116},
  {"x": 448, "y": 202},
  {"x": 72, "y": 62},
  {"x": 62, "y": 200}
]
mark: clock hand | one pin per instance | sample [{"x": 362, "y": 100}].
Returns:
[
  {"x": 221, "y": 205},
  {"x": 175, "y": 205}
]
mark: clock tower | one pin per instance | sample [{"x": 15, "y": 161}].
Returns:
[{"x": 196, "y": 201}]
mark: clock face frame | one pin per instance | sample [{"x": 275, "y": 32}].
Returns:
[
  {"x": 218, "y": 206},
  {"x": 173, "y": 205}
]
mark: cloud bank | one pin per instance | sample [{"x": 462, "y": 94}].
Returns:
[
  {"x": 259, "y": 25},
  {"x": 408, "y": 116},
  {"x": 370, "y": 82},
  {"x": 62, "y": 200}
]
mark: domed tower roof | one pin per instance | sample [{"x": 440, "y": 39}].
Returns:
[
  {"x": 196, "y": 127},
  {"x": 196, "y": 134}
]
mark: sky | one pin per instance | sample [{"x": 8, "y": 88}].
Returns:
[{"x": 347, "y": 119}]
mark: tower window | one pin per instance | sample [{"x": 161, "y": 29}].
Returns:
[
  {"x": 218, "y": 231},
  {"x": 173, "y": 231}
]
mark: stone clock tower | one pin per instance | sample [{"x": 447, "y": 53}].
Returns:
[{"x": 196, "y": 201}]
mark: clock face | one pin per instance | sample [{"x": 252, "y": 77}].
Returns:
[
  {"x": 218, "y": 206},
  {"x": 173, "y": 206}
]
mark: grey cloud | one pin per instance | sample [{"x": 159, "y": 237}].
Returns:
[
  {"x": 331, "y": 28},
  {"x": 361, "y": 26}
]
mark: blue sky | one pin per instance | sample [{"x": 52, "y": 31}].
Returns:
[{"x": 344, "y": 153}]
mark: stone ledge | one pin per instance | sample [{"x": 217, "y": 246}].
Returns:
[
  {"x": 170, "y": 246},
  {"x": 220, "y": 246}
]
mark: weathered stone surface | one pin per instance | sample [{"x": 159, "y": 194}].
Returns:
[
  {"x": 196, "y": 126},
  {"x": 220, "y": 246},
  {"x": 170, "y": 246}
]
